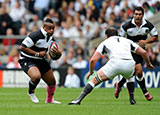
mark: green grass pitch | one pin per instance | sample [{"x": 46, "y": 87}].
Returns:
[{"x": 15, "y": 101}]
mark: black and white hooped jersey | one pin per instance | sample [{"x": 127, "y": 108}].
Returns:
[
  {"x": 131, "y": 31},
  {"x": 36, "y": 41},
  {"x": 117, "y": 47}
]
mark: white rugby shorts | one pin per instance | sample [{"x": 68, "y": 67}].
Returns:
[{"x": 116, "y": 67}]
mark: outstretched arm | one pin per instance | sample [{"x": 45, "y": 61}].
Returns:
[{"x": 96, "y": 56}]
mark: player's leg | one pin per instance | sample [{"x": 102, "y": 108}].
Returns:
[
  {"x": 35, "y": 76},
  {"x": 141, "y": 81},
  {"x": 97, "y": 79},
  {"x": 119, "y": 87},
  {"x": 49, "y": 78},
  {"x": 130, "y": 87},
  {"x": 33, "y": 72}
]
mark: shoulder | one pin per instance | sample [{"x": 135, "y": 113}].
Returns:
[
  {"x": 149, "y": 24},
  {"x": 127, "y": 25},
  {"x": 36, "y": 34}
]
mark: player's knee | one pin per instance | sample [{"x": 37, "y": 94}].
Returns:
[
  {"x": 52, "y": 82},
  {"x": 139, "y": 74},
  {"x": 36, "y": 77}
]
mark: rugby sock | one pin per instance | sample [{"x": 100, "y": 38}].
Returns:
[
  {"x": 141, "y": 83},
  {"x": 32, "y": 86},
  {"x": 121, "y": 82},
  {"x": 50, "y": 93},
  {"x": 130, "y": 86},
  {"x": 86, "y": 90}
]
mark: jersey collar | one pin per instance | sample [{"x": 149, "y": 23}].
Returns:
[
  {"x": 143, "y": 22},
  {"x": 44, "y": 32}
]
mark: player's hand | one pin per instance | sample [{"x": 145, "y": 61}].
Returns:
[
  {"x": 42, "y": 53},
  {"x": 89, "y": 74},
  {"x": 142, "y": 43},
  {"x": 55, "y": 50},
  {"x": 150, "y": 66}
]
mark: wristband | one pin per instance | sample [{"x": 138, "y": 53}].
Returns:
[
  {"x": 37, "y": 54},
  {"x": 148, "y": 64}
]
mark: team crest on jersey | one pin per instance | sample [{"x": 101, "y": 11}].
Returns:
[
  {"x": 130, "y": 31},
  {"x": 147, "y": 30}
]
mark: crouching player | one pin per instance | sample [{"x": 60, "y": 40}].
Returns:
[{"x": 118, "y": 49}]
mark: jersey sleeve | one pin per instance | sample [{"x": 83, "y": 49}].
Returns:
[
  {"x": 134, "y": 46},
  {"x": 122, "y": 32},
  {"x": 154, "y": 32},
  {"x": 100, "y": 48},
  {"x": 27, "y": 42}
]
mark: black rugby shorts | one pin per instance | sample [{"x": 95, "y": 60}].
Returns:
[
  {"x": 41, "y": 64},
  {"x": 137, "y": 58}
]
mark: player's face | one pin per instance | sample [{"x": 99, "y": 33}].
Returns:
[
  {"x": 138, "y": 16},
  {"x": 49, "y": 28}
]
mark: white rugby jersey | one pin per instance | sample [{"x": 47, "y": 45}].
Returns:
[
  {"x": 117, "y": 47},
  {"x": 131, "y": 31},
  {"x": 36, "y": 41}
]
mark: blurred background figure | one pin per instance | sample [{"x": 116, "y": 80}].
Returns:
[
  {"x": 72, "y": 80},
  {"x": 13, "y": 59},
  {"x": 5, "y": 21},
  {"x": 80, "y": 63},
  {"x": 148, "y": 11},
  {"x": 35, "y": 23}
]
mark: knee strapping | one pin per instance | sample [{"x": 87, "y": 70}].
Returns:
[{"x": 97, "y": 77}]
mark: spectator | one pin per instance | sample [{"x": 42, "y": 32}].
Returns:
[
  {"x": 14, "y": 63},
  {"x": 103, "y": 25},
  {"x": 35, "y": 22},
  {"x": 13, "y": 53},
  {"x": 71, "y": 10},
  {"x": 53, "y": 15},
  {"x": 5, "y": 21},
  {"x": 82, "y": 12},
  {"x": 87, "y": 32},
  {"x": 79, "y": 51},
  {"x": 127, "y": 7},
  {"x": 41, "y": 7},
  {"x": 71, "y": 56},
  {"x": 9, "y": 41},
  {"x": 147, "y": 11},
  {"x": 22, "y": 33},
  {"x": 112, "y": 8},
  {"x": 63, "y": 10},
  {"x": 17, "y": 14},
  {"x": 80, "y": 63},
  {"x": 72, "y": 80},
  {"x": 66, "y": 31}
]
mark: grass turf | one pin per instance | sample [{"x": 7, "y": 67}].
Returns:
[{"x": 15, "y": 101}]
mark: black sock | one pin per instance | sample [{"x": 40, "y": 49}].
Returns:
[
  {"x": 86, "y": 90},
  {"x": 142, "y": 85},
  {"x": 130, "y": 86},
  {"x": 32, "y": 86},
  {"x": 121, "y": 82}
]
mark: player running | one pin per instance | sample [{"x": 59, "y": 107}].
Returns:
[
  {"x": 137, "y": 30},
  {"x": 33, "y": 51}
]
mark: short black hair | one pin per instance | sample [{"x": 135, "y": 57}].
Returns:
[
  {"x": 48, "y": 20},
  {"x": 111, "y": 32},
  {"x": 139, "y": 8}
]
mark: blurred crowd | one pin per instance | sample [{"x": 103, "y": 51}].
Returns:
[{"x": 77, "y": 23}]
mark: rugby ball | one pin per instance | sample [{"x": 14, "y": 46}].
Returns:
[{"x": 54, "y": 55}]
